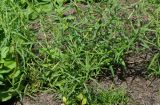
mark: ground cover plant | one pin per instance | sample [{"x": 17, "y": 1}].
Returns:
[{"x": 63, "y": 46}]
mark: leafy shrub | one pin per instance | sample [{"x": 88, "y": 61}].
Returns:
[{"x": 10, "y": 75}]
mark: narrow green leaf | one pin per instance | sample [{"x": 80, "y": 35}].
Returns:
[
  {"x": 153, "y": 60},
  {"x": 112, "y": 70}
]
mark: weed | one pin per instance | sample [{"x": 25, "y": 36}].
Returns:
[
  {"x": 66, "y": 50},
  {"x": 112, "y": 97}
]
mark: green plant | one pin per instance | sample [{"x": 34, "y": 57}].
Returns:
[
  {"x": 112, "y": 97},
  {"x": 80, "y": 47},
  {"x": 10, "y": 75},
  {"x": 11, "y": 70},
  {"x": 154, "y": 66},
  {"x": 65, "y": 52}
]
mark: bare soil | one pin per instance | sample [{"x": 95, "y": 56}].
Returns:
[
  {"x": 40, "y": 99},
  {"x": 140, "y": 90}
]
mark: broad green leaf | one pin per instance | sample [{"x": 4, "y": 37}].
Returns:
[
  {"x": 23, "y": 1},
  {"x": 4, "y": 71},
  {"x": 1, "y": 77},
  {"x": 10, "y": 64},
  {"x": 15, "y": 74},
  {"x": 64, "y": 99},
  {"x": 4, "y": 52},
  {"x": 1, "y": 66},
  {"x": 1, "y": 83},
  {"x": 5, "y": 96},
  {"x": 2, "y": 61},
  {"x": 84, "y": 101},
  {"x": 80, "y": 97}
]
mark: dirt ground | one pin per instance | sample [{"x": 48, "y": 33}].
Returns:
[
  {"x": 141, "y": 91},
  {"x": 40, "y": 99}
]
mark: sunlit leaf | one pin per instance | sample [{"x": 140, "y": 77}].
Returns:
[
  {"x": 64, "y": 99},
  {"x": 84, "y": 101},
  {"x": 80, "y": 96},
  {"x": 4, "y": 52},
  {"x": 1, "y": 77},
  {"x": 16, "y": 74},
  {"x": 10, "y": 64},
  {"x": 4, "y": 71},
  {"x": 1, "y": 83}
]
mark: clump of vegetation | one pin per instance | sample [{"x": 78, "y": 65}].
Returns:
[
  {"x": 61, "y": 45},
  {"x": 11, "y": 77},
  {"x": 112, "y": 97}
]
